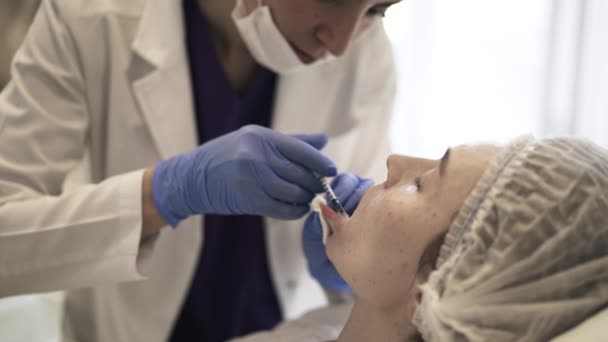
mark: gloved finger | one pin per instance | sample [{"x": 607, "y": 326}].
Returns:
[
  {"x": 284, "y": 211},
  {"x": 312, "y": 232},
  {"x": 282, "y": 190},
  {"x": 349, "y": 188},
  {"x": 331, "y": 279},
  {"x": 322, "y": 269},
  {"x": 295, "y": 173},
  {"x": 304, "y": 154},
  {"x": 344, "y": 184},
  {"x": 317, "y": 141},
  {"x": 351, "y": 203}
]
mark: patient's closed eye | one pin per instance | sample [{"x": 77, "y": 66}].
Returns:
[{"x": 418, "y": 183}]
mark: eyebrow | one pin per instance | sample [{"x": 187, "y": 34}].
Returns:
[{"x": 443, "y": 163}]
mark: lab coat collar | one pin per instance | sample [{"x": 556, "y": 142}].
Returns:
[
  {"x": 160, "y": 76},
  {"x": 160, "y": 38}
]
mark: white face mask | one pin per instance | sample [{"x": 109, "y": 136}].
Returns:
[{"x": 265, "y": 41}]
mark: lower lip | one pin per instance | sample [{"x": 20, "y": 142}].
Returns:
[{"x": 332, "y": 215}]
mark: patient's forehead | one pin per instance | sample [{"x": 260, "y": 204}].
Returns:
[
  {"x": 473, "y": 155},
  {"x": 465, "y": 167}
]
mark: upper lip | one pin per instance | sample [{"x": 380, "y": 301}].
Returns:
[{"x": 302, "y": 52}]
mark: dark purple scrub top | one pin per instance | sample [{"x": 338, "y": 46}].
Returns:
[{"x": 231, "y": 293}]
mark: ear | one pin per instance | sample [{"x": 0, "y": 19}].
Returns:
[
  {"x": 414, "y": 300},
  {"x": 418, "y": 295}
]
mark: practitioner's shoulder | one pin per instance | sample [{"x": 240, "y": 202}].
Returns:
[{"x": 77, "y": 9}]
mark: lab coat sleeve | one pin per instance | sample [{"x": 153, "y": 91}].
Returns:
[
  {"x": 51, "y": 239},
  {"x": 323, "y": 324}
]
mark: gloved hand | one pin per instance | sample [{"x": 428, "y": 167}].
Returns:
[
  {"x": 349, "y": 189},
  {"x": 253, "y": 171}
]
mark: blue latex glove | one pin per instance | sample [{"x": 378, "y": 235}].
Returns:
[
  {"x": 253, "y": 171},
  {"x": 349, "y": 189}
]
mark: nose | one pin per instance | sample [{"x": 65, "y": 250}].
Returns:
[
  {"x": 336, "y": 34},
  {"x": 392, "y": 161},
  {"x": 400, "y": 167},
  {"x": 401, "y": 163}
]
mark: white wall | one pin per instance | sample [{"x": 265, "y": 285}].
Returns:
[
  {"x": 592, "y": 110},
  {"x": 487, "y": 70}
]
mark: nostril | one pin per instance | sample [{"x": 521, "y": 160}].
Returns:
[
  {"x": 325, "y": 39},
  {"x": 334, "y": 42}
]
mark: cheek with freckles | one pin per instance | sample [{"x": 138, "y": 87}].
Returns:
[
  {"x": 381, "y": 273},
  {"x": 375, "y": 254}
]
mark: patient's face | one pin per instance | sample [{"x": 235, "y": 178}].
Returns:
[{"x": 378, "y": 250}]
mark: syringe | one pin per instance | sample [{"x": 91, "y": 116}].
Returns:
[{"x": 332, "y": 197}]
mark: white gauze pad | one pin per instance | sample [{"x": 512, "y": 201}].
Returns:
[{"x": 315, "y": 206}]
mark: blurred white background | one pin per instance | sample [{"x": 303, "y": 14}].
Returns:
[
  {"x": 490, "y": 70},
  {"x": 469, "y": 70}
]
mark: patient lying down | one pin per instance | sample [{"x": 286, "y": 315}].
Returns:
[{"x": 486, "y": 244}]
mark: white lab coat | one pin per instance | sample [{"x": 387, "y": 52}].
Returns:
[{"x": 108, "y": 81}]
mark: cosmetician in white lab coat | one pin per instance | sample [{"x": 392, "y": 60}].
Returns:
[{"x": 106, "y": 88}]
